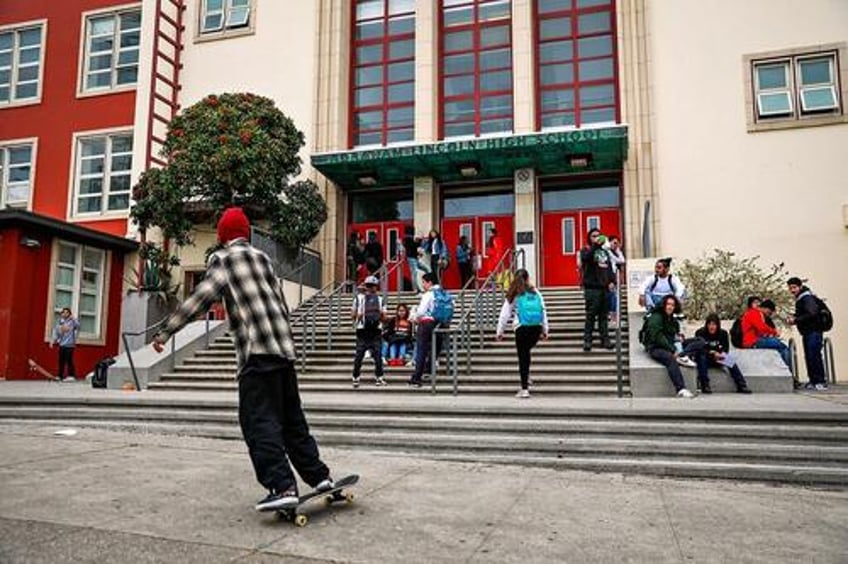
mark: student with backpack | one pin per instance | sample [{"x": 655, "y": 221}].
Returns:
[
  {"x": 661, "y": 284},
  {"x": 368, "y": 313},
  {"x": 812, "y": 318},
  {"x": 757, "y": 334},
  {"x": 434, "y": 310},
  {"x": 525, "y": 306}
]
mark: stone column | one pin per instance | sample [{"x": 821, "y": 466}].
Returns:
[
  {"x": 424, "y": 204},
  {"x": 426, "y": 71},
  {"x": 523, "y": 95},
  {"x": 526, "y": 232}
]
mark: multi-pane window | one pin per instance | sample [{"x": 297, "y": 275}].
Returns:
[
  {"x": 476, "y": 67},
  {"x": 111, "y": 50},
  {"x": 575, "y": 63},
  {"x": 220, "y": 15},
  {"x": 20, "y": 63},
  {"x": 15, "y": 175},
  {"x": 796, "y": 86},
  {"x": 383, "y": 78},
  {"x": 103, "y": 174},
  {"x": 78, "y": 285}
]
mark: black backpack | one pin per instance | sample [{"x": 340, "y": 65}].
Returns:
[
  {"x": 825, "y": 316},
  {"x": 657, "y": 280},
  {"x": 371, "y": 313},
  {"x": 101, "y": 372},
  {"x": 736, "y": 333}
]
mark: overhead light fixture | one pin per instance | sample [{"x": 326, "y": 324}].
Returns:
[
  {"x": 30, "y": 243},
  {"x": 469, "y": 170},
  {"x": 369, "y": 179},
  {"x": 579, "y": 161}
]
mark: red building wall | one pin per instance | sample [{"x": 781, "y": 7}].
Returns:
[{"x": 61, "y": 113}]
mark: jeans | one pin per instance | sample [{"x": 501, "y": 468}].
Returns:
[
  {"x": 525, "y": 339},
  {"x": 368, "y": 342},
  {"x": 813, "y": 357},
  {"x": 775, "y": 344},
  {"x": 396, "y": 349},
  {"x": 694, "y": 349},
  {"x": 413, "y": 272},
  {"x": 612, "y": 300},
  {"x": 735, "y": 374},
  {"x": 66, "y": 358},
  {"x": 423, "y": 344},
  {"x": 274, "y": 426},
  {"x": 596, "y": 308}
]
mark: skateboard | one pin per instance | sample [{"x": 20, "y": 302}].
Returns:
[
  {"x": 331, "y": 496},
  {"x": 34, "y": 367}
]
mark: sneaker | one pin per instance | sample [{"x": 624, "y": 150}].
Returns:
[
  {"x": 686, "y": 361},
  {"x": 276, "y": 500},
  {"x": 809, "y": 386},
  {"x": 414, "y": 383},
  {"x": 705, "y": 388},
  {"x": 684, "y": 393},
  {"x": 523, "y": 394},
  {"x": 743, "y": 390},
  {"x": 325, "y": 485},
  {"x": 587, "y": 346},
  {"x": 69, "y": 379},
  {"x": 821, "y": 387},
  {"x": 356, "y": 383},
  {"x": 380, "y": 381}
]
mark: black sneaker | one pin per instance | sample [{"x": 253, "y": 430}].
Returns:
[
  {"x": 743, "y": 390},
  {"x": 414, "y": 383},
  {"x": 277, "y": 500},
  {"x": 587, "y": 346},
  {"x": 325, "y": 485}
]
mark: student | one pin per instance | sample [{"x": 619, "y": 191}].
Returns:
[
  {"x": 437, "y": 253},
  {"x": 661, "y": 284},
  {"x": 65, "y": 335},
  {"x": 426, "y": 323},
  {"x": 808, "y": 320},
  {"x": 410, "y": 250},
  {"x": 368, "y": 313},
  {"x": 718, "y": 351},
  {"x": 617, "y": 262},
  {"x": 464, "y": 258},
  {"x": 525, "y": 306},
  {"x": 355, "y": 256},
  {"x": 756, "y": 333},
  {"x": 661, "y": 333},
  {"x": 373, "y": 254},
  {"x": 270, "y": 413},
  {"x": 397, "y": 336},
  {"x": 597, "y": 281}
]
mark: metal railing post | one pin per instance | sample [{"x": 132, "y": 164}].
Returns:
[
  {"x": 829, "y": 361},
  {"x": 207, "y": 330},
  {"x": 434, "y": 359},
  {"x": 619, "y": 368},
  {"x": 793, "y": 361},
  {"x": 132, "y": 364},
  {"x": 173, "y": 352}
]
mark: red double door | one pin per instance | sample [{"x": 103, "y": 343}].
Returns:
[
  {"x": 564, "y": 233},
  {"x": 477, "y": 229},
  {"x": 390, "y": 234}
]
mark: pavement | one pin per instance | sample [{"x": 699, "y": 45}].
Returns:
[{"x": 101, "y": 496}]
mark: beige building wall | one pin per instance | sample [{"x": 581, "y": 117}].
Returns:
[{"x": 776, "y": 194}]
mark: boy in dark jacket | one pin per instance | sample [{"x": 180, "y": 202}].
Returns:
[
  {"x": 598, "y": 279},
  {"x": 718, "y": 350},
  {"x": 661, "y": 331},
  {"x": 806, "y": 318}
]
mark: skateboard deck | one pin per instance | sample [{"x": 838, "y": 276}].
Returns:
[
  {"x": 331, "y": 496},
  {"x": 34, "y": 367}
]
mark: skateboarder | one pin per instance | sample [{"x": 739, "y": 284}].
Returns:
[
  {"x": 65, "y": 335},
  {"x": 270, "y": 414}
]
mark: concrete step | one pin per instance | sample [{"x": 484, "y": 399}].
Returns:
[{"x": 444, "y": 386}]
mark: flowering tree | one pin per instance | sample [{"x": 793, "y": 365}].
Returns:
[{"x": 230, "y": 149}]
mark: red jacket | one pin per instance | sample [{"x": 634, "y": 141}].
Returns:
[{"x": 753, "y": 327}]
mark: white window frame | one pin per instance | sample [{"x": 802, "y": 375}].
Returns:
[
  {"x": 466, "y": 230},
  {"x": 565, "y": 242},
  {"x": 786, "y": 91},
  {"x": 227, "y": 27},
  {"x": 485, "y": 227},
  {"x": 4, "y": 172},
  {"x": 107, "y": 174},
  {"x": 593, "y": 222},
  {"x": 393, "y": 256},
  {"x": 15, "y": 65},
  {"x": 85, "y": 56},
  {"x": 101, "y": 292},
  {"x": 831, "y": 85}
]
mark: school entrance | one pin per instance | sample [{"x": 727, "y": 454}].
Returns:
[
  {"x": 384, "y": 215},
  {"x": 569, "y": 212}
]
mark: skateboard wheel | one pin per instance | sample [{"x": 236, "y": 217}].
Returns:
[
  {"x": 328, "y": 500},
  {"x": 300, "y": 520},
  {"x": 348, "y": 497}
]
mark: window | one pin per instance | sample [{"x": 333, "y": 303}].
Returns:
[
  {"x": 102, "y": 175},
  {"x": 575, "y": 63},
  {"x": 795, "y": 86},
  {"x": 21, "y": 56},
  {"x": 16, "y": 162},
  {"x": 568, "y": 246},
  {"x": 383, "y": 77},
  {"x": 111, "y": 50},
  {"x": 476, "y": 67},
  {"x": 222, "y": 15},
  {"x": 78, "y": 285}
]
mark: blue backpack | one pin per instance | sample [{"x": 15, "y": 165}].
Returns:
[
  {"x": 530, "y": 310},
  {"x": 442, "y": 306}
]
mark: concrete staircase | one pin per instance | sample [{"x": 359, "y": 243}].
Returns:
[
  {"x": 743, "y": 441},
  {"x": 560, "y": 367}
]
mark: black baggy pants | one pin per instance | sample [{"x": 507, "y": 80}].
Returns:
[
  {"x": 66, "y": 358},
  {"x": 526, "y": 337},
  {"x": 423, "y": 350},
  {"x": 274, "y": 426},
  {"x": 597, "y": 307},
  {"x": 373, "y": 342}
]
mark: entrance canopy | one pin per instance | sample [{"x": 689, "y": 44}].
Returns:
[{"x": 560, "y": 152}]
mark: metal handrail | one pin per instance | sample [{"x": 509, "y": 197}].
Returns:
[
  {"x": 125, "y": 334},
  {"x": 619, "y": 357},
  {"x": 793, "y": 361},
  {"x": 829, "y": 361},
  {"x": 308, "y": 318},
  {"x": 385, "y": 273}
]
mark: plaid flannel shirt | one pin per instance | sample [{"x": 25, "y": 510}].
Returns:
[{"x": 257, "y": 310}]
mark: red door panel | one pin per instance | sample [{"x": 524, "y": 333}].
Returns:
[
  {"x": 477, "y": 230},
  {"x": 564, "y": 233},
  {"x": 390, "y": 234}
]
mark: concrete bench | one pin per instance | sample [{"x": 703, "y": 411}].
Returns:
[{"x": 764, "y": 371}]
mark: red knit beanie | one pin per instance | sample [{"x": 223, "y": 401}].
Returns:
[{"x": 232, "y": 225}]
